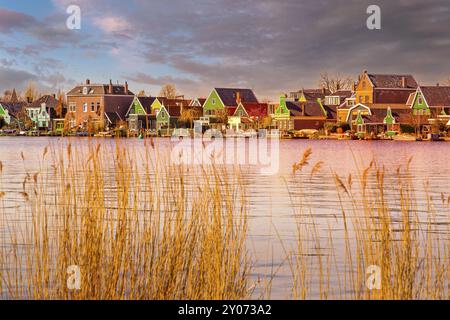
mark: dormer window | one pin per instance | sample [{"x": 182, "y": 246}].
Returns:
[{"x": 85, "y": 90}]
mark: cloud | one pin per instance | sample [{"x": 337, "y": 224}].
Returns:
[
  {"x": 14, "y": 78},
  {"x": 268, "y": 45},
  {"x": 113, "y": 24}
]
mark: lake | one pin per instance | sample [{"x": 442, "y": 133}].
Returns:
[{"x": 278, "y": 201}]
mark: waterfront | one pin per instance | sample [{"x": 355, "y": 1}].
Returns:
[{"x": 279, "y": 203}]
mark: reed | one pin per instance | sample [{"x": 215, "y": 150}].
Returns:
[
  {"x": 137, "y": 227},
  {"x": 141, "y": 227},
  {"x": 381, "y": 227}
]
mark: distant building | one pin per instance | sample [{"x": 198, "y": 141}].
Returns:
[
  {"x": 47, "y": 113},
  {"x": 378, "y": 97},
  {"x": 94, "y": 107}
]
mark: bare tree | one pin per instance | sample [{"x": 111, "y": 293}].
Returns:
[
  {"x": 168, "y": 91},
  {"x": 189, "y": 115},
  {"x": 335, "y": 82},
  {"x": 31, "y": 92},
  {"x": 142, "y": 93}
]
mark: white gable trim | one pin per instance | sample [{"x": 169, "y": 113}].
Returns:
[{"x": 349, "y": 112}]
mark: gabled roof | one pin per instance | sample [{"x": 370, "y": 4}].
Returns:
[
  {"x": 112, "y": 117},
  {"x": 312, "y": 109},
  {"x": 436, "y": 96},
  {"x": 392, "y": 95},
  {"x": 49, "y": 100},
  {"x": 392, "y": 81},
  {"x": 255, "y": 109},
  {"x": 341, "y": 93},
  {"x": 314, "y": 94},
  {"x": 99, "y": 89},
  {"x": 13, "y": 108},
  {"x": 146, "y": 103},
  {"x": 229, "y": 96}
]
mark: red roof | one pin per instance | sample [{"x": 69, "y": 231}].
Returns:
[
  {"x": 255, "y": 109},
  {"x": 231, "y": 110}
]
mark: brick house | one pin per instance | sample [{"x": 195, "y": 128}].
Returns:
[{"x": 95, "y": 107}]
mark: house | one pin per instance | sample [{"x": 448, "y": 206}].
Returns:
[
  {"x": 13, "y": 114},
  {"x": 225, "y": 101},
  {"x": 304, "y": 109},
  {"x": 94, "y": 107},
  {"x": 47, "y": 113},
  {"x": 248, "y": 115},
  {"x": 169, "y": 112},
  {"x": 375, "y": 97},
  {"x": 430, "y": 104},
  {"x": 339, "y": 102},
  {"x": 140, "y": 115},
  {"x": 5, "y": 118}
]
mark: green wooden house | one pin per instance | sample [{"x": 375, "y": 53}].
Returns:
[{"x": 4, "y": 115}]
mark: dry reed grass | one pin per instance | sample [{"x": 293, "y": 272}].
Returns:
[
  {"x": 137, "y": 227},
  {"x": 141, "y": 228}
]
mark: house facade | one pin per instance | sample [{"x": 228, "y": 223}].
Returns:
[
  {"x": 47, "y": 113},
  {"x": 140, "y": 116},
  {"x": 304, "y": 109},
  {"x": 376, "y": 97},
  {"x": 430, "y": 105},
  {"x": 4, "y": 114},
  {"x": 94, "y": 107}
]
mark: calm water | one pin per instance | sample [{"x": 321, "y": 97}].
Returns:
[{"x": 274, "y": 200}]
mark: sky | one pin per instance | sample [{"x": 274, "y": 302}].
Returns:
[{"x": 270, "y": 46}]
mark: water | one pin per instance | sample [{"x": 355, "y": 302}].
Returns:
[{"x": 275, "y": 201}]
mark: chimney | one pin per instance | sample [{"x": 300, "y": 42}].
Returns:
[
  {"x": 88, "y": 81},
  {"x": 126, "y": 87},
  {"x": 437, "y": 84},
  {"x": 403, "y": 82},
  {"x": 110, "y": 89},
  {"x": 238, "y": 97}
]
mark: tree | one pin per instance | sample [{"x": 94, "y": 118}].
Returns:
[
  {"x": 189, "y": 115},
  {"x": 335, "y": 82},
  {"x": 142, "y": 93},
  {"x": 31, "y": 92},
  {"x": 168, "y": 91},
  {"x": 60, "y": 106},
  {"x": 7, "y": 94}
]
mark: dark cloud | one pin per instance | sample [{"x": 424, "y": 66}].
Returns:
[
  {"x": 268, "y": 45},
  {"x": 13, "y": 78}
]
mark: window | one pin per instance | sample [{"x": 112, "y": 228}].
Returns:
[
  {"x": 92, "y": 107},
  {"x": 72, "y": 107},
  {"x": 360, "y": 99},
  {"x": 364, "y": 85},
  {"x": 213, "y": 101},
  {"x": 366, "y": 99},
  {"x": 98, "y": 106},
  {"x": 420, "y": 101},
  {"x": 85, "y": 90},
  {"x": 163, "y": 115},
  {"x": 85, "y": 107}
]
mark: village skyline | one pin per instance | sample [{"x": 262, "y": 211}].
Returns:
[{"x": 265, "y": 45}]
